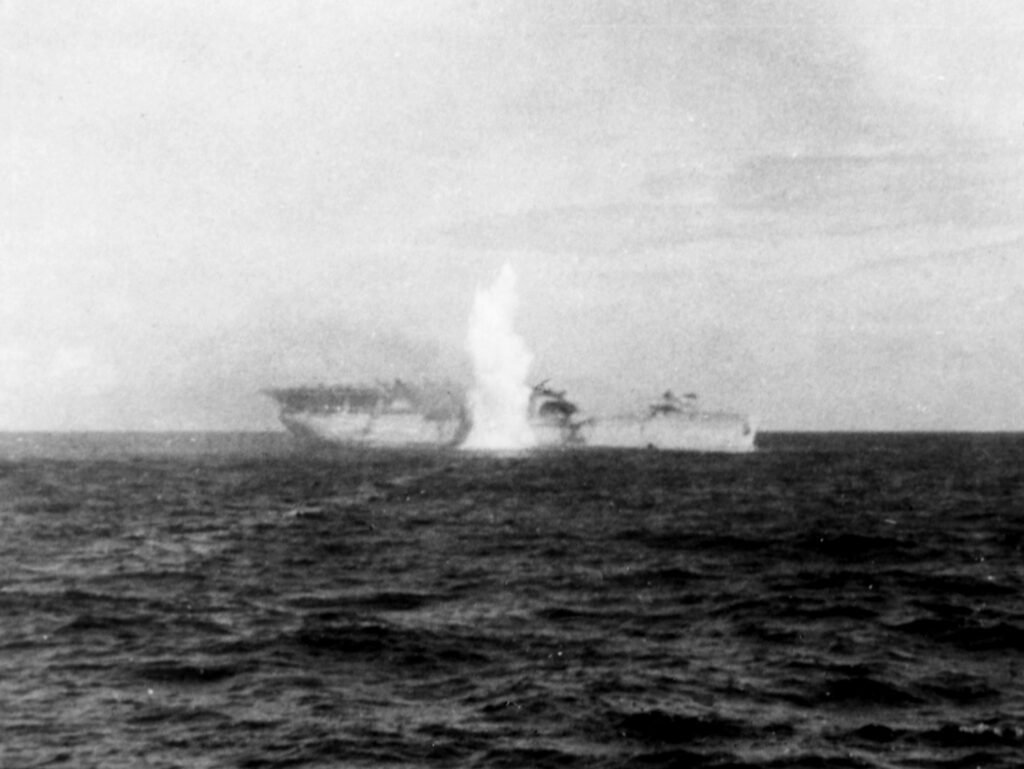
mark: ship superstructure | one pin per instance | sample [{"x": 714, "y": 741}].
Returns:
[
  {"x": 673, "y": 423},
  {"x": 553, "y": 418}
]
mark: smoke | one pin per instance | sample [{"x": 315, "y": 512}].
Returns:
[{"x": 500, "y": 398}]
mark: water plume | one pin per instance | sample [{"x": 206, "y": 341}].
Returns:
[{"x": 500, "y": 398}]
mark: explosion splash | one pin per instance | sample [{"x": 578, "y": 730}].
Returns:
[{"x": 500, "y": 399}]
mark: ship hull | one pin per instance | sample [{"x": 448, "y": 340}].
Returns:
[
  {"x": 554, "y": 435},
  {"x": 400, "y": 415},
  {"x": 358, "y": 429},
  {"x": 674, "y": 432},
  {"x": 698, "y": 432}
]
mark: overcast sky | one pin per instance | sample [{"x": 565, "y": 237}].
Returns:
[{"x": 810, "y": 211}]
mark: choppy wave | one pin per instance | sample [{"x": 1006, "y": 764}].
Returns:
[{"x": 829, "y": 601}]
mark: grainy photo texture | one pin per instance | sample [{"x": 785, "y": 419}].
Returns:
[{"x": 506, "y": 383}]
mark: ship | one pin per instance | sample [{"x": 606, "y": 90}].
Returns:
[
  {"x": 673, "y": 423},
  {"x": 400, "y": 414},
  {"x": 553, "y": 418},
  {"x": 669, "y": 422},
  {"x": 389, "y": 414}
]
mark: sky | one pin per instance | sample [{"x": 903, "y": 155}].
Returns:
[{"x": 810, "y": 211}]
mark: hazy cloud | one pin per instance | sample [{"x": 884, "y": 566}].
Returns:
[{"x": 761, "y": 200}]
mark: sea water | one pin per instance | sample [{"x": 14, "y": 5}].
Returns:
[{"x": 227, "y": 601}]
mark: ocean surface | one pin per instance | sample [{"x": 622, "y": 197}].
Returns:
[{"x": 229, "y": 601}]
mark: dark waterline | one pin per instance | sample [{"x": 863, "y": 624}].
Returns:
[{"x": 849, "y": 600}]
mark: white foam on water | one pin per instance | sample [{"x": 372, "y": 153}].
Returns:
[{"x": 500, "y": 399}]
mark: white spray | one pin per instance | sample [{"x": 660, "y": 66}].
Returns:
[{"x": 500, "y": 399}]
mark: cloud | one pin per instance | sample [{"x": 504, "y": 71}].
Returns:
[
  {"x": 953, "y": 60},
  {"x": 685, "y": 188},
  {"x": 653, "y": 125},
  {"x": 851, "y": 193},
  {"x": 54, "y": 386}
]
